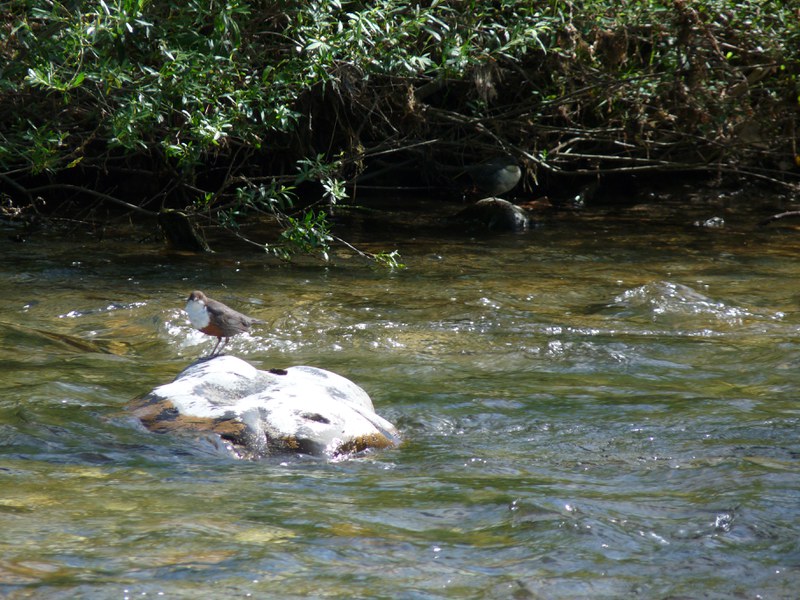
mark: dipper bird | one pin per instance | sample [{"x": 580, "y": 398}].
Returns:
[
  {"x": 496, "y": 176},
  {"x": 214, "y": 318}
]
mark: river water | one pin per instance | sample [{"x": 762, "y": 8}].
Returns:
[{"x": 604, "y": 407}]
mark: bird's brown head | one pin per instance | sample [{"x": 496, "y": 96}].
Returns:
[{"x": 197, "y": 296}]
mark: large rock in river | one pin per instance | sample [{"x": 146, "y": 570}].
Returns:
[{"x": 299, "y": 409}]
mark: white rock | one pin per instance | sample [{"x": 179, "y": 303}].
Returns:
[{"x": 300, "y": 409}]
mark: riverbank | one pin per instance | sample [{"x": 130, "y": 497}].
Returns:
[{"x": 237, "y": 113}]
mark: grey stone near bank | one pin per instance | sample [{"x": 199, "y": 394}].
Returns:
[
  {"x": 299, "y": 409},
  {"x": 494, "y": 214}
]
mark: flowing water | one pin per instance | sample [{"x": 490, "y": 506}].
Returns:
[{"x": 605, "y": 407}]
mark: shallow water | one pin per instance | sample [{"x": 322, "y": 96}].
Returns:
[{"x": 601, "y": 408}]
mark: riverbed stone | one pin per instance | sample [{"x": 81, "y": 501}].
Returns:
[
  {"x": 257, "y": 413},
  {"x": 494, "y": 214}
]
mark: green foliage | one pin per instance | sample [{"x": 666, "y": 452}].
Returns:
[
  {"x": 189, "y": 78},
  {"x": 327, "y": 173},
  {"x": 389, "y": 260},
  {"x": 390, "y": 37},
  {"x": 309, "y": 234}
]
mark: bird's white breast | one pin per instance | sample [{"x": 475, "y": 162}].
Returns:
[{"x": 198, "y": 315}]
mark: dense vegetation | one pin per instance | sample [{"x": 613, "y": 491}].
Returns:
[{"x": 228, "y": 110}]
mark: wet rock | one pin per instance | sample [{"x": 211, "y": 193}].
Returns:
[
  {"x": 257, "y": 413},
  {"x": 494, "y": 214},
  {"x": 181, "y": 232},
  {"x": 712, "y": 223}
]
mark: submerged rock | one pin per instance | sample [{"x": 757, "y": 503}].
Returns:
[
  {"x": 299, "y": 409},
  {"x": 495, "y": 214},
  {"x": 712, "y": 223}
]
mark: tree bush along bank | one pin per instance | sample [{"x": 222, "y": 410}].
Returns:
[{"x": 231, "y": 108}]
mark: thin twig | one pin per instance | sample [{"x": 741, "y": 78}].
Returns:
[{"x": 784, "y": 215}]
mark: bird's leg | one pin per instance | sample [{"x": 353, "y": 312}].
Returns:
[{"x": 213, "y": 352}]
